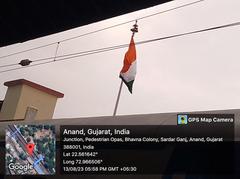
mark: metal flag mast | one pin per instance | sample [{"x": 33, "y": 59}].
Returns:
[{"x": 134, "y": 30}]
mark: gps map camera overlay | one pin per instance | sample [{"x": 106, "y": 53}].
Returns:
[{"x": 30, "y": 150}]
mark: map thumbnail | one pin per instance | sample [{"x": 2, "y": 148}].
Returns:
[{"x": 30, "y": 150}]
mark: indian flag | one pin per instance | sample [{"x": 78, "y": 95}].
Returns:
[{"x": 129, "y": 69}]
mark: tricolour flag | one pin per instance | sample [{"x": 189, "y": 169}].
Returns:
[{"x": 129, "y": 69}]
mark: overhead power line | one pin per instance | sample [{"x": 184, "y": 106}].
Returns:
[
  {"x": 100, "y": 30},
  {"x": 101, "y": 50}
]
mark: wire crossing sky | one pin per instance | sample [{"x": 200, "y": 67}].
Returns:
[
  {"x": 103, "y": 29},
  {"x": 101, "y": 50}
]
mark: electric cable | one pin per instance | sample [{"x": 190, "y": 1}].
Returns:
[
  {"x": 100, "y": 30},
  {"x": 100, "y": 50}
]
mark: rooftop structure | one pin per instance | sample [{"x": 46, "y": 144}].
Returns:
[{"x": 28, "y": 100}]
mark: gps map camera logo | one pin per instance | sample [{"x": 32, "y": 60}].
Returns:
[
  {"x": 30, "y": 150},
  {"x": 182, "y": 119}
]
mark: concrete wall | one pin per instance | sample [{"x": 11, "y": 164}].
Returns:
[
  {"x": 31, "y": 97},
  {"x": 10, "y": 102},
  {"x": 19, "y": 97}
]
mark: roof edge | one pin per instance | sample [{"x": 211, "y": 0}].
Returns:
[{"x": 34, "y": 85}]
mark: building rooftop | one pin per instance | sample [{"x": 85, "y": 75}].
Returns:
[{"x": 34, "y": 85}]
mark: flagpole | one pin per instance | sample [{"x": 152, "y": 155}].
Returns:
[
  {"x": 134, "y": 30},
  {"x": 118, "y": 97}
]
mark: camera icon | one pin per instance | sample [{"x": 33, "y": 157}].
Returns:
[{"x": 182, "y": 119}]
